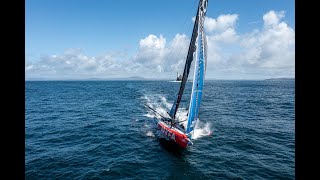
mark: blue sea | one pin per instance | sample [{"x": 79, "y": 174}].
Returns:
[{"x": 102, "y": 130}]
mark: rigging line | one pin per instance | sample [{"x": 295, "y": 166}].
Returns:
[
  {"x": 173, "y": 44},
  {"x": 190, "y": 24},
  {"x": 177, "y": 57},
  {"x": 194, "y": 3},
  {"x": 176, "y": 63},
  {"x": 156, "y": 112}
]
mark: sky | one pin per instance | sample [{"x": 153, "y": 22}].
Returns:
[{"x": 80, "y": 39}]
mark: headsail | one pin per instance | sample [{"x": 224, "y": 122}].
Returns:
[
  {"x": 192, "y": 48},
  {"x": 199, "y": 73},
  {"x": 198, "y": 82}
]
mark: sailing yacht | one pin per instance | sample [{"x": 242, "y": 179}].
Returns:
[
  {"x": 171, "y": 127},
  {"x": 179, "y": 78}
]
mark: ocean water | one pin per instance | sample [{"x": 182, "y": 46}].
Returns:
[{"x": 102, "y": 130}]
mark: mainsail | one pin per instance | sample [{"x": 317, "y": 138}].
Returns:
[{"x": 202, "y": 8}]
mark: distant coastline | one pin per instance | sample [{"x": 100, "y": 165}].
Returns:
[
  {"x": 272, "y": 79},
  {"x": 132, "y": 78},
  {"x": 139, "y": 78}
]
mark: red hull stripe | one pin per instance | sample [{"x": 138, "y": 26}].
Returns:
[{"x": 180, "y": 138}]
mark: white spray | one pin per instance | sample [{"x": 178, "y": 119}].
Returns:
[{"x": 160, "y": 104}]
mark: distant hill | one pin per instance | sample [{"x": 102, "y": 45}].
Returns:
[
  {"x": 35, "y": 79},
  {"x": 131, "y": 78},
  {"x": 135, "y": 78},
  {"x": 279, "y": 79}
]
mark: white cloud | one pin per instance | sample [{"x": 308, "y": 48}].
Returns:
[
  {"x": 221, "y": 34},
  {"x": 72, "y": 64},
  {"x": 154, "y": 58},
  {"x": 274, "y": 45},
  {"x": 151, "y": 51},
  {"x": 265, "y": 52},
  {"x": 260, "y": 53},
  {"x": 227, "y": 36},
  {"x": 222, "y": 23},
  {"x": 273, "y": 18},
  {"x": 153, "y": 42}
]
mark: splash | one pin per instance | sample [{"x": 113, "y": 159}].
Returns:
[
  {"x": 150, "y": 134},
  {"x": 160, "y": 104},
  {"x": 202, "y": 129},
  {"x": 150, "y": 115}
]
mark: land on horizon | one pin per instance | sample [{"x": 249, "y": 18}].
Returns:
[{"x": 139, "y": 78}]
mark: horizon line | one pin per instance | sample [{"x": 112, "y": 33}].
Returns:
[{"x": 149, "y": 79}]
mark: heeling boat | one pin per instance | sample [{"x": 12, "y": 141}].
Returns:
[
  {"x": 171, "y": 127},
  {"x": 179, "y": 78}
]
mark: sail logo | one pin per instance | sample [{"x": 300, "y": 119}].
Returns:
[{"x": 168, "y": 134}]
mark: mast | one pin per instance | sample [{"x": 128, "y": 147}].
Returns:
[{"x": 192, "y": 48}]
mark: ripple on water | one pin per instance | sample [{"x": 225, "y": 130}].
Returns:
[{"x": 101, "y": 130}]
